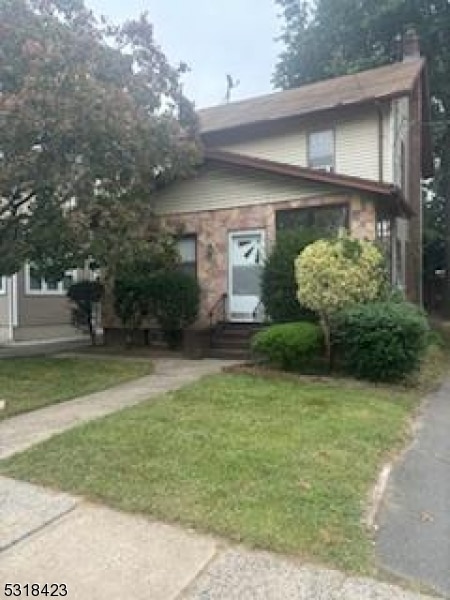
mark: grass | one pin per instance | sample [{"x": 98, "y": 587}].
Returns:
[
  {"x": 279, "y": 464},
  {"x": 31, "y": 383}
]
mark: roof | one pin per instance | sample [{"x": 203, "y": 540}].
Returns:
[
  {"x": 384, "y": 190},
  {"x": 374, "y": 84}
]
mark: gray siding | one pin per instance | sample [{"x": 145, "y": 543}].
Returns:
[{"x": 39, "y": 309}]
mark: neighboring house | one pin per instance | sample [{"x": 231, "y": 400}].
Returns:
[
  {"x": 345, "y": 152},
  {"x": 33, "y": 309}
]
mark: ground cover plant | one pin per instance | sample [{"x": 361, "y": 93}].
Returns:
[{"x": 30, "y": 383}]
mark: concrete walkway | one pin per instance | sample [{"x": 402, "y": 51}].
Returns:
[
  {"x": 21, "y": 432},
  {"x": 414, "y": 535},
  {"x": 107, "y": 555}
]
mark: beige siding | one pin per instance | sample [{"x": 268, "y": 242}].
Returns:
[
  {"x": 287, "y": 146},
  {"x": 221, "y": 188},
  {"x": 356, "y": 142},
  {"x": 387, "y": 145},
  {"x": 357, "y": 147}
]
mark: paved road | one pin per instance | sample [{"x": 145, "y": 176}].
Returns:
[{"x": 414, "y": 535}]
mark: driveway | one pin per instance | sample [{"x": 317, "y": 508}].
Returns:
[{"x": 414, "y": 535}]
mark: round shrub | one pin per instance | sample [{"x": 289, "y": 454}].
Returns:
[
  {"x": 290, "y": 346},
  {"x": 380, "y": 341},
  {"x": 278, "y": 285}
]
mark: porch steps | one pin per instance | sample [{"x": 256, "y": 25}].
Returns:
[{"x": 232, "y": 340}]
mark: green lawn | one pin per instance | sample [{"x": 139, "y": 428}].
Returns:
[
  {"x": 277, "y": 464},
  {"x": 30, "y": 383}
]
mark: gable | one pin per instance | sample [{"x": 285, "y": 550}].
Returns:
[{"x": 219, "y": 187}]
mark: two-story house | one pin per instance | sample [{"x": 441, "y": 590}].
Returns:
[{"x": 345, "y": 152}]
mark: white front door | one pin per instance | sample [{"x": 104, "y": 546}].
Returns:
[{"x": 246, "y": 257}]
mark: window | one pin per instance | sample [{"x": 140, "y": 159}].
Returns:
[
  {"x": 384, "y": 238},
  {"x": 321, "y": 150},
  {"x": 34, "y": 284},
  {"x": 399, "y": 270},
  {"x": 2, "y": 285},
  {"x": 326, "y": 219},
  {"x": 187, "y": 248}
]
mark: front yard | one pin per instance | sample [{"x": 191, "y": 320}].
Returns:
[
  {"x": 30, "y": 383},
  {"x": 279, "y": 464}
]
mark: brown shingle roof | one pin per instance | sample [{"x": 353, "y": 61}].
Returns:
[
  {"x": 385, "y": 190},
  {"x": 383, "y": 82}
]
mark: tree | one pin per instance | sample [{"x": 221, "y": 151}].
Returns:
[
  {"x": 92, "y": 120},
  {"x": 321, "y": 41},
  {"x": 338, "y": 273}
]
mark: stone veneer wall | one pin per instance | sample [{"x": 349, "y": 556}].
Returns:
[{"x": 213, "y": 227}]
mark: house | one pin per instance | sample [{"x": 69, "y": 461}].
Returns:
[
  {"x": 345, "y": 152},
  {"x": 33, "y": 309}
]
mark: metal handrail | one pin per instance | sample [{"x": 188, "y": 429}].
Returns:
[
  {"x": 221, "y": 302},
  {"x": 258, "y": 306}
]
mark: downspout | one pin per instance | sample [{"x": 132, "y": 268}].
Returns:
[{"x": 380, "y": 142}]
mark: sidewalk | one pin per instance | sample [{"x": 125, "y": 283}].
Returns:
[
  {"x": 414, "y": 535},
  {"x": 102, "y": 554},
  {"x": 21, "y": 432}
]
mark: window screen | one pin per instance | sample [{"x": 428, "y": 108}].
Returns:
[
  {"x": 321, "y": 150},
  {"x": 187, "y": 248}
]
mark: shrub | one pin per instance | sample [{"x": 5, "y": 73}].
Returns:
[
  {"x": 380, "y": 341},
  {"x": 278, "y": 285},
  {"x": 132, "y": 292},
  {"x": 290, "y": 346},
  {"x": 336, "y": 273},
  {"x": 175, "y": 300}
]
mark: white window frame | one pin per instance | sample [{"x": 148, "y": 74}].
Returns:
[
  {"x": 329, "y": 166},
  {"x": 45, "y": 290},
  {"x": 3, "y": 286}
]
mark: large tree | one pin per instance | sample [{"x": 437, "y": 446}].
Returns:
[
  {"x": 92, "y": 120},
  {"x": 327, "y": 38}
]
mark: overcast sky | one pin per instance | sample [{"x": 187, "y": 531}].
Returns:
[{"x": 214, "y": 37}]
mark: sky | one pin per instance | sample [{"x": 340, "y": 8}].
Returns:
[{"x": 214, "y": 37}]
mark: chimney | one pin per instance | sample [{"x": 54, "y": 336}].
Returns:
[{"x": 411, "y": 45}]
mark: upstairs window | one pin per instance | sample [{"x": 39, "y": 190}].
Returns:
[
  {"x": 321, "y": 150},
  {"x": 187, "y": 249}
]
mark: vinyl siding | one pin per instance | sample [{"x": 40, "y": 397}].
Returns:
[
  {"x": 287, "y": 146},
  {"x": 41, "y": 310},
  {"x": 357, "y": 148},
  {"x": 356, "y": 143},
  {"x": 220, "y": 188}
]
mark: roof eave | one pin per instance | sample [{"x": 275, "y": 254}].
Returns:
[{"x": 387, "y": 191}]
